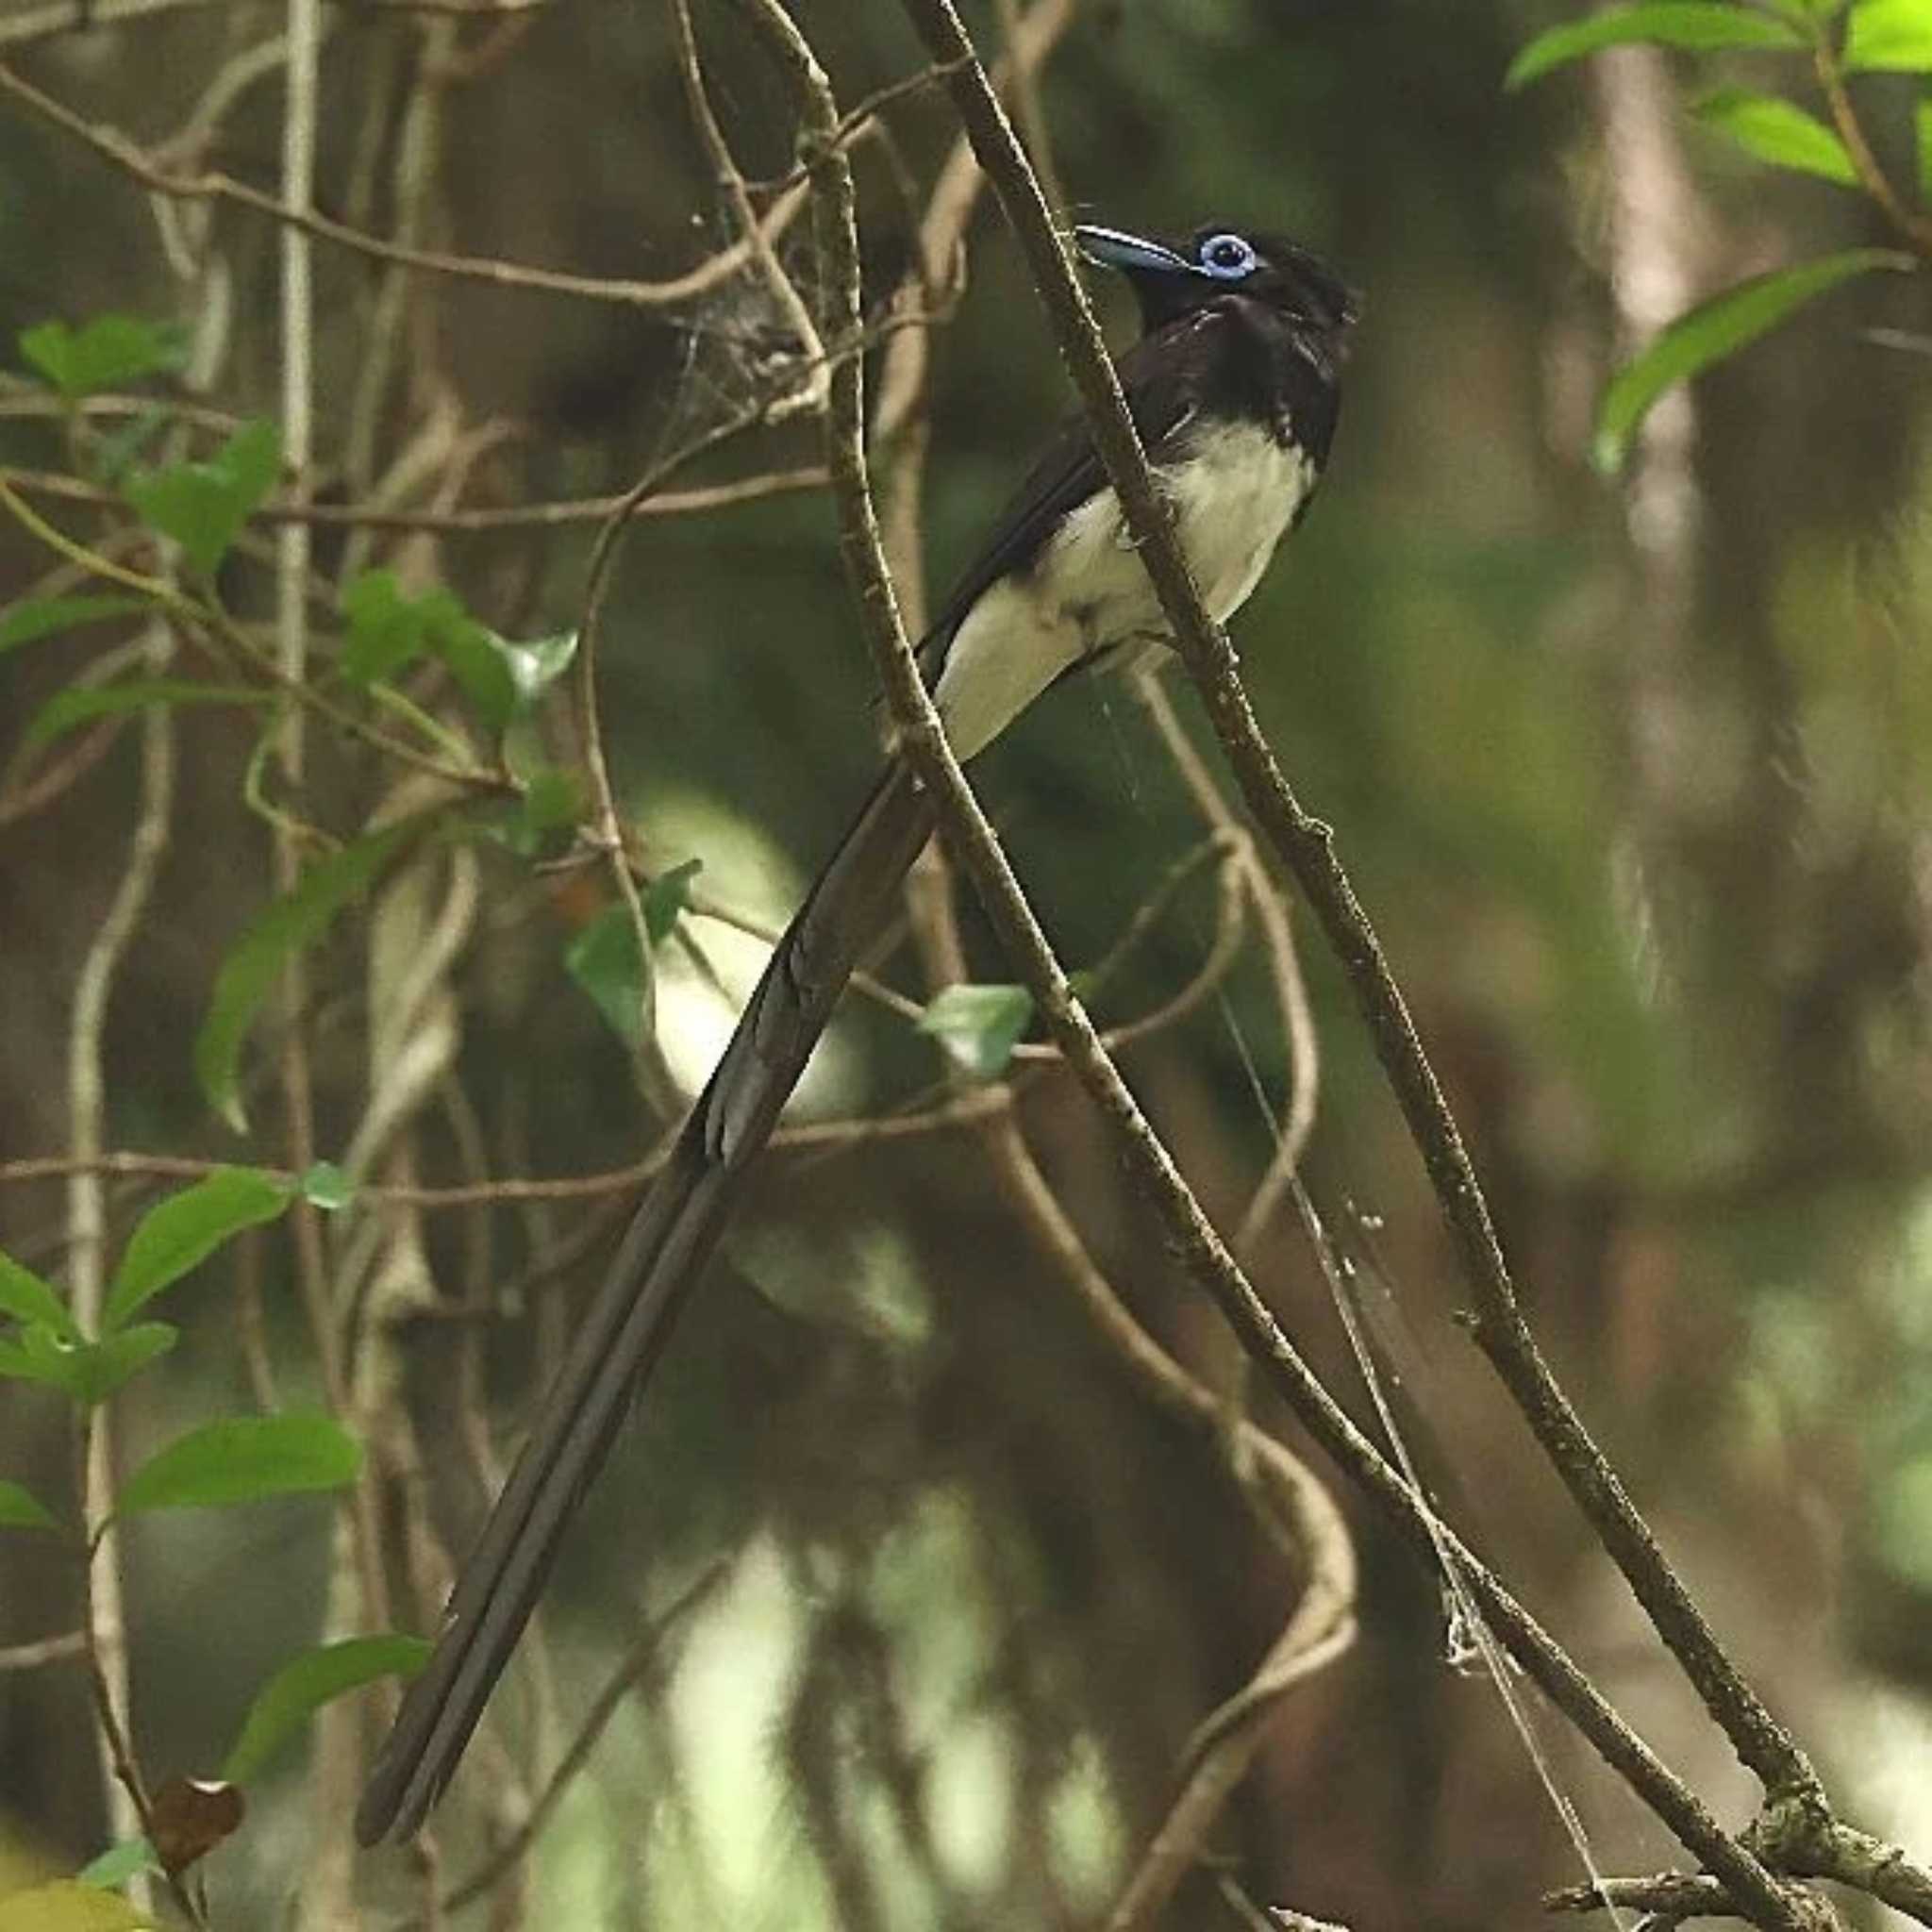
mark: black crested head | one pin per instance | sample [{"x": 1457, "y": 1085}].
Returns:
[{"x": 1172, "y": 280}]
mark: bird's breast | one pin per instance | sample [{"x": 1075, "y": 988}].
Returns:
[{"x": 1235, "y": 489}]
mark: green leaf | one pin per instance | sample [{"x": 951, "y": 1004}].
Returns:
[
  {"x": 385, "y": 630},
  {"x": 326, "y": 1186},
  {"x": 607, "y": 962},
  {"x": 478, "y": 659},
  {"x": 1922, "y": 130},
  {"x": 88, "y": 1372},
  {"x": 203, "y": 505},
  {"x": 553, "y": 801},
  {"x": 102, "y": 353},
  {"x": 389, "y": 630},
  {"x": 20, "y": 1509},
  {"x": 1699, "y": 26},
  {"x": 288, "y": 927},
  {"x": 666, "y": 897},
  {"x": 179, "y": 1233},
  {"x": 978, "y": 1025},
  {"x": 243, "y": 1459},
  {"x": 34, "y": 618},
  {"x": 1775, "y": 131},
  {"x": 1715, "y": 330},
  {"x": 27, "y": 1298},
  {"x": 305, "y": 1683},
  {"x": 119, "y": 1863},
  {"x": 82, "y": 704},
  {"x": 537, "y": 665},
  {"x": 1890, "y": 36}
]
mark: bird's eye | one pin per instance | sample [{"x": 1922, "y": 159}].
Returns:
[{"x": 1227, "y": 255}]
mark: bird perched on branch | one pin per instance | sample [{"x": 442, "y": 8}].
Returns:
[{"x": 1234, "y": 387}]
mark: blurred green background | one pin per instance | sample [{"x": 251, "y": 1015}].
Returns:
[{"x": 1630, "y": 772}]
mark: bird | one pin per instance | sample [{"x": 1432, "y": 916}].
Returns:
[{"x": 1234, "y": 387}]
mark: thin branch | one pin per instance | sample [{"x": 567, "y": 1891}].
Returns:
[
  {"x": 1195, "y": 1241},
  {"x": 119, "y": 152}
]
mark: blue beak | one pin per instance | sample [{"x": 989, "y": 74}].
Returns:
[{"x": 1131, "y": 254}]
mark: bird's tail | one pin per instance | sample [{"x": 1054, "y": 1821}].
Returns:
[{"x": 669, "y": 1239}]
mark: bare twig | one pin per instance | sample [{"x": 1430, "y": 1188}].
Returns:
[{"x": 115, "y": 148}]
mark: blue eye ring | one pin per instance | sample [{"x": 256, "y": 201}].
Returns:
[{"x": 1227, "y": 257}]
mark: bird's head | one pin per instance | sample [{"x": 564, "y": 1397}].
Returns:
[{"x": 1171, "y": 279}]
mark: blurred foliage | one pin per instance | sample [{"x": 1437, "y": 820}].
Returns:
[{"x": 1631, "y": 770}]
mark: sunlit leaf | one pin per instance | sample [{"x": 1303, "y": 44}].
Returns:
[
  {"x": 1697, "y": 25},
  {"x": 1774, "y": 130},
  {"x": 539, "y": 664},
  {"x": 243, "y": 1459},
  {"x": 308, "y": 1681},
  {"x": 34, "y": 618},
  {"x": 27, "y": 1298},
  {"x": 20, "y": 1509},
  {"x": 607, "y": 962},
  {"x": 180, "y": 1232},
  {"x": 1891, "y": 36},
  {"x": 82, "y": 704},
  {"x": 119, "y": 1863},
  {"x": 978, "y": 1025},
  {"x": 289, "y": 926},
  {"x": 203, "y": 505},
  {"x": 1717, "y": 328},
  {"x": 105, "y": 352},
  {"x": 326, "y": 1186}
]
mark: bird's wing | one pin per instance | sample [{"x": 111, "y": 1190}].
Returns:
[{"x": 1160, "y": 397}]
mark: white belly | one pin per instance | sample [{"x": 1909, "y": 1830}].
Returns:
[{"x": 1233, "y": 493}]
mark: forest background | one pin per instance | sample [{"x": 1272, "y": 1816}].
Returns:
[{"x": 373, "y": 376}]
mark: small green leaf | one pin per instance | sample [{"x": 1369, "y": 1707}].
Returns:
[
  {"x": 537, "y": 665},
  {"x": 978, "y": 1025},
  {"x": 1699, "y": 26},
  {"x": 386, "y": 628},
  {"x": 82, "y": 704},
  {"x": 203, "y": 505},
  {"x": 182, "y": 1231},
  {"x": 27, "y": 1298},
  {"x": 305, "y": 1683},
  {"x": 389, "y": 630},
  {"x": 1715, "y": 330},
  {"x": 20, "y": 1509},
  {"x": 1890, "y": 36},
  {"x": 243, "y": 1459},
  {"x": 34, "y": 618},
  {"x": 607, "y": 962},
  {"x": 1775, "y": 131},
  {"x": 478, "y": 659},
  {"x": 119, "y": 1863},
  {"x": 666, "y": 897},
  {"x": 290, "y": 925},
  {"x": 102, "y": 353},
  {"x": 326, "y": 1186},
  {"x": 553, "y": 801},
  {"x": 87, "y": 1371}
]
